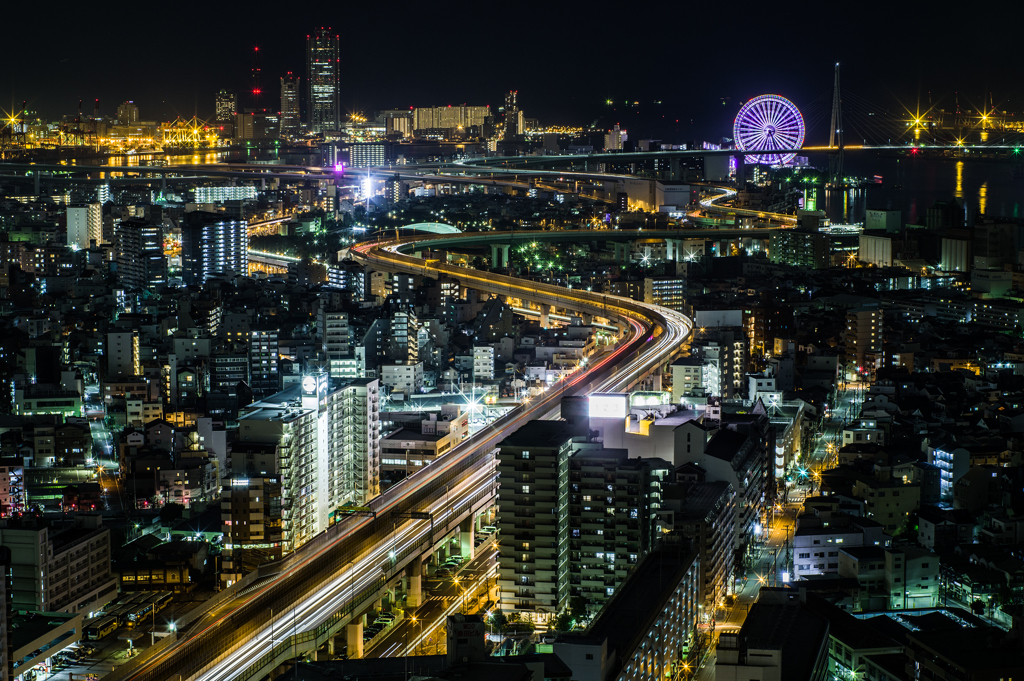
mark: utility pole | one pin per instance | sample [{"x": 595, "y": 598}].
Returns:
[{"x": 835, "y": 136}]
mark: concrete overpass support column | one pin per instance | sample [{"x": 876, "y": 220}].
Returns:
[
  {"x": 673, "y": 249},
  {"x": 673, "y": 166},
  {"x": 163, "y": 183},
  {"x": 621, "y": 252},
  {"x": 332, "y": 645},
  {"x": 414, "y": 590},
  {"x": 354, "y": 639},
  {"x": 656, "y": 380},
  {"x": 586, "y": 319},
  {"x": 545, "y": 316},
  {"x": 499, "y": 255},
  {"x": 466, "y": 537}
]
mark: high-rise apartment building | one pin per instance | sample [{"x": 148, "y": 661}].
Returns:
[
  {"x": 301, "y": 454},
  {"x": 513, "y": 116},
  {"x": 322, "y": 81},
  {"x": 290, "y": 105},
  {"x": 140, "y": 254},
  {"x": 122, "y": 353},
  {"x": 212, "y": 243},
  {"x": 862, "y": 342},
  {"x": 263, "y": 347},
  {"x": 574, "y": 517},
  {"x": 333, "y": 330},
  {"x": 85, "y": 225},
  {"x": 226, "y": 106}
]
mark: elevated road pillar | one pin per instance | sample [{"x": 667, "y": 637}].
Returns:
[
  {"x": 499, "y": 256},
  {"x": 656, "y": 380},
  {"x": 674, "y": 249},
  {"x": 354, "y": 639},
  {"x": 414, "y": 585},
  {"x": 545, "y": 316},
  {"x": 466, "y": 535}
]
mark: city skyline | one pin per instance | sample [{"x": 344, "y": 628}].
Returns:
[{"x": 714, "y": 72}]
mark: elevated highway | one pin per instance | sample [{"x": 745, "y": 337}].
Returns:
[{"x": 295, "y": 606}]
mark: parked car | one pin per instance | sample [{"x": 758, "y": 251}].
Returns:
[{"x": 490, "y": 529}]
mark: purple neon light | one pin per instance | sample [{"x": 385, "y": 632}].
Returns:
[{"x": 767, "y": 123}]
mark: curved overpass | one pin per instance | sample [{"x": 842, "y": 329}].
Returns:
[{"x": 315, "y": 591}]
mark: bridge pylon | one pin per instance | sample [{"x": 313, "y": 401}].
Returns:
[{"x": 835, "y": 137}]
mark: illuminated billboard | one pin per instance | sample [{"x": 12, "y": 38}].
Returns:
[{"x": 609, "y": 405}]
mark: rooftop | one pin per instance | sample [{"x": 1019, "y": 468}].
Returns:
[
  {"x": 539, "y": 434},
  {"x": 788, "y": 628}
]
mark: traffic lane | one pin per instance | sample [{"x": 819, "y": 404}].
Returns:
[
  {"x": 442, "y": 595},
  {"x": 323, "y": 603}
]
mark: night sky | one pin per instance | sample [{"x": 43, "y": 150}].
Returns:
[{"x": 565, "y": 59}]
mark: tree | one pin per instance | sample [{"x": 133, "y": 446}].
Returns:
[
  {"x": 171, "y": 512},
  {"x": 578, "y": 607},
  {"x": 564, "y": 622}
]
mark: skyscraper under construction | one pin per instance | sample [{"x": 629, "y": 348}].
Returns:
[{"x": 322, "y": 76}]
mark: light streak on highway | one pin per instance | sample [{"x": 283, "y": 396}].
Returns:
[{"x": 655, "y": 335}]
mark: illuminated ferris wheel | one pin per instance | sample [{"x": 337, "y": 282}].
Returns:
[{"x": 768, "y": 123}]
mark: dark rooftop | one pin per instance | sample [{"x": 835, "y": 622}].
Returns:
[
  {"x": 790, "y": 628},
  {"x": 539, "y": 434}
]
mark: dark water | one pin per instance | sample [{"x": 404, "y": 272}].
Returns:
[{"x": 912, "y": 185}]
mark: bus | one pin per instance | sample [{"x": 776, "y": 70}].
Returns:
[
  {"x": 137, "y": 612},
  {"x": 100, "y": 627},
  {"x": 163, "y": 599},
  {"x": 118, "y": 614}
]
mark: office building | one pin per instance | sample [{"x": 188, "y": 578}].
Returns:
[
  {"x": 127, "y": 113},
  {"x": 449, "y": 117},
  {"x": 369, "y": 154},
  {"x": 59, "y": 569},
  {"x": 141, "y": 262},
  {"x": 85, "y": 225},
  {"x": 301, "y": 455},
  {"x": 290, "y": 122},
  {"x": 668, "y": 293},
  {"x": 213, "y": 244},
  {"x": 225, "y": 107},
  {"x": 800, "y": 248},
  {"x": 419, "y": 442},
  {"x": 242, "y": 192},
  {"x": 646, "y": 631},
  {"x": 322, "y": 81}
]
